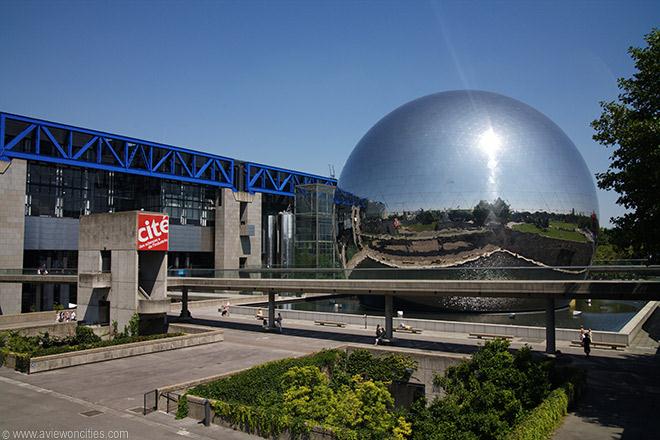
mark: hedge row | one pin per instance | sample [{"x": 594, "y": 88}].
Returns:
[
  {"x": 254, "y": 400},
  {"x": 257, "y": 384},
  {"x": 542, "y": 421},
  {"x": 23, "y": 358},
  {"x": 108, "y": 343}
]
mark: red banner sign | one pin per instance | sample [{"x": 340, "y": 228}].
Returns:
[{"x": 153, "y": 232}]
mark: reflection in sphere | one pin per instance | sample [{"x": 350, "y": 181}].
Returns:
[{"x": 467, "y": 180}]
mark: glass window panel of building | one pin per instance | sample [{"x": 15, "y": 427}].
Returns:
[{"x": 60, "y": 191}]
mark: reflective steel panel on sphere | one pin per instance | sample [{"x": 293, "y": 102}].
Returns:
[{"x": 465, "y": 179}]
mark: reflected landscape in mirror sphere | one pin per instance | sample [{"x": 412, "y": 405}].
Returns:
[{"x": 467, "y": 180}]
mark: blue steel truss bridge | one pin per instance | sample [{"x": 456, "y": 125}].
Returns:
[{"x": 28, "y": 138}]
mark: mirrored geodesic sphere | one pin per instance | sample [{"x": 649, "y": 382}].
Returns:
[{"x": 467, "y": 179}]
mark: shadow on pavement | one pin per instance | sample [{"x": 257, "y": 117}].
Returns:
[
  {"x": 328, "y": 334},
  {"x": 622, "y": 393}
]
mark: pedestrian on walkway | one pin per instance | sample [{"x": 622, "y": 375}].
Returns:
[
  {"x": 586, "y": 342},
  {"x": 278, "y": 322},
  {"x": 582, "y": 335},
  {"x": 379, "y": 333}
]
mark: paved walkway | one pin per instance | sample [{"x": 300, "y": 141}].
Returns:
[
  {"x": 622, "y": 402},
  {"x": 623, "y": 394},
  {"x": 54, "y": 400}
]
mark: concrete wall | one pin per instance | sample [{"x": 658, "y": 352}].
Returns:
[
  {"x": 28, "y": 318},
  {"x": 64, "y": 360},
  {"x": 89, "y": 261},
  {"x": 635, "y": 325},
  {"x": 117, "y": 233},
  {"x": 123, "y": 293},
  {"x": 12, "y": 218},
  {"x": 55, "y": 330},
  {"x": 230, "y": 246}
]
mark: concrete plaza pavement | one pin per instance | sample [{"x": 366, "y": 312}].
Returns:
[
  {"x": 623, "y": 396},
  {"x": 54, "y": 400}
]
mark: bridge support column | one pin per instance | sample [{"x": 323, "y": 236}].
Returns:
[
  {"x": 271, "y": 310},
  {"x": 389, "y": 312},
  {"x": 185, "y": 313},
  {"x": 550, "y": 346}
]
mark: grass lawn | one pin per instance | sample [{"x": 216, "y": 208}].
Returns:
[
  {"x": 558, "y": 230},
  {"x": 417, "y": 227}
]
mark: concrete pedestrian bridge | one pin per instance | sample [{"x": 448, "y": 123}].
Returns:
[
  {"x": 301, "y": 281},
  {"x": 594, "y": 289},
  {"x": 275, "y": 281}
]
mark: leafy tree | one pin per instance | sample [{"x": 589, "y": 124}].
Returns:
[
  {"x": 425, "y": 217},
  {"x": 631, "y": 125},
  {"x": 485, "y": 396},
  {"x": 498, "y": 210},
  {"x": 607, "y": 250},
  {"x": 501, "y": 210},
  {"x": 358, "y": 410},
  {"x": 480, "y": 212}
]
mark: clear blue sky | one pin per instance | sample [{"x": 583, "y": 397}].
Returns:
[{"x": 297, "y": 84}]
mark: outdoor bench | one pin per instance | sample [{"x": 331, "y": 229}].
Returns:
[
  {"x": 612, "y": 345},
  {"x": 335, "y": 323},
  {"x": 408, "y": 330},
  {"x": 490, "y": 336}
]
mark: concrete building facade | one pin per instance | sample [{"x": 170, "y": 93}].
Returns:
[
  {"x": 12, "y": 224},
  {"x": 53, "y": 176},
  {"x": 137, "y": 281}
]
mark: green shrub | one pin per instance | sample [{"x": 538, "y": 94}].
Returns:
[
  {"x": 27, "y": 347},
  {"x": 485, "y": 395},
  {"x": 262, "y": 383},
  {"x": 85, "y": 335},
  {"x": 182, "y": 407},
  {"x": 498, "y": 395},
  {"x": 253, "y": 419},
  {"x": 134, "y": 325},
  {"x": 329, "y": 389},
  {"x": 361, "y": 410},
  {"x": 388, "y": 368},
  {"x": 542, "y": 421},
  {"x": 22, "y": 362}
]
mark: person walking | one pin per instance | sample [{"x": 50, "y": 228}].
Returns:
[
  {"x": 379, "y": 333},
  {"x": 278, "y": 322},
  {"x": 586, "y": 342}
]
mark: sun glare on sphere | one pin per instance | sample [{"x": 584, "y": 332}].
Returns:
[{"x": 490, "y": 142}]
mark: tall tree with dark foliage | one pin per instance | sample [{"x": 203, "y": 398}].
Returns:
[{"x": 631, "y": 126}]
